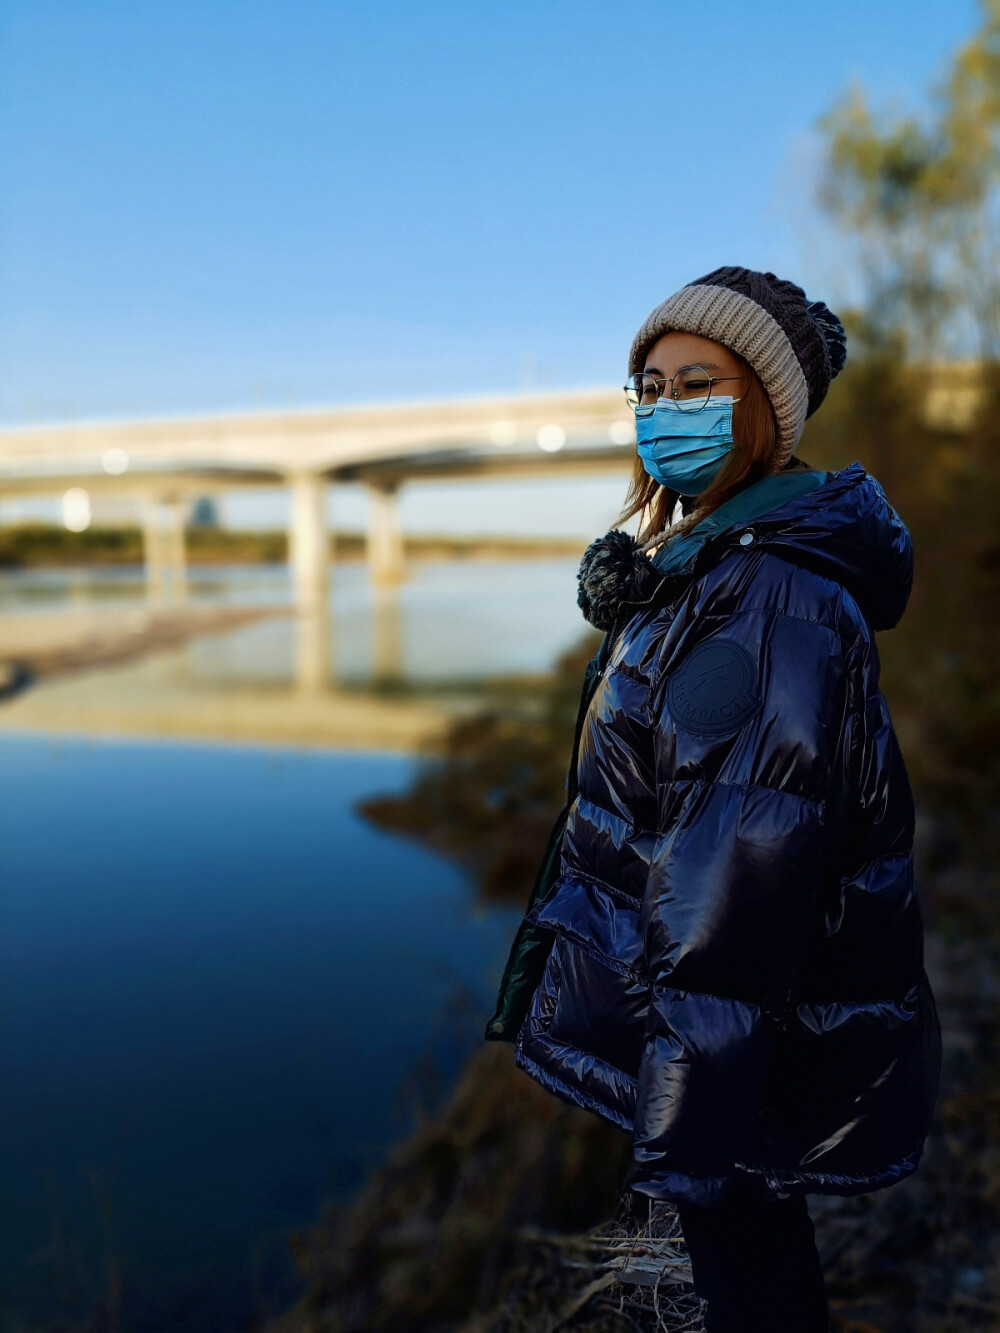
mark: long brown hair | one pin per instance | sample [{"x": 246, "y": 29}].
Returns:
[{"x": 755, "y": 434}]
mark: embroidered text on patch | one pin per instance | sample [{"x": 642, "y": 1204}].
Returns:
[{"x": 714, "y": 690}]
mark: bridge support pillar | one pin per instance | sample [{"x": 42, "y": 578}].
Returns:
[
  {"x": 175, "y": 552},
  {"x": 386, "y": 564},
  {"x": 153, "y": 554},
  {"x": 309, "y": 556},
  {"x": 309, "y": 541},
  {"x": 388, "y": 626},
  {"x": 164, "y": 556}
]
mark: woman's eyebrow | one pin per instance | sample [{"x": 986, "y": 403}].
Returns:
[{"x": 695, "y": 365}]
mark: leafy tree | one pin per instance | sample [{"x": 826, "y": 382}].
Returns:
[
  {"x": 920, "y": 196},
  {"x": 917, "y": 196}
]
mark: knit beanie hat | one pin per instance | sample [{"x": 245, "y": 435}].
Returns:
[{"x": 795, "y": 346}]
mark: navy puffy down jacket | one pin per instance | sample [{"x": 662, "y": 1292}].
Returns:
[{"x": 724, "y": 952}]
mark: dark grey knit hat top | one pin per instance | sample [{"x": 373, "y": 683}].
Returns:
[{"x": 795, "y": 346}]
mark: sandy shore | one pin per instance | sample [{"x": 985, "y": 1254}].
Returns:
[
  {"x": 35, "y": 646},
  {"x": 112, "y": 674}
]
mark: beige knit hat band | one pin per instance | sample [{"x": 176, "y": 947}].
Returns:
[{"x": 739, "y": 323}]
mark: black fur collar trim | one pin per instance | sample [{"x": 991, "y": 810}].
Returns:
[{"x": 613, "y": 570}]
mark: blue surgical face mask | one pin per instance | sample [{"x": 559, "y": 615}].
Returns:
[{"x": 685, "y": 450}]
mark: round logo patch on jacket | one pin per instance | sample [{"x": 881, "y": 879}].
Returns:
[{"x": 714, "y": 690}]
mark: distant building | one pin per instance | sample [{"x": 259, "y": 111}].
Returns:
[{"x": 204, "y": 513}]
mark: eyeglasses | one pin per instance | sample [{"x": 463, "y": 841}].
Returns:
[{"x": 690, "y": 388}]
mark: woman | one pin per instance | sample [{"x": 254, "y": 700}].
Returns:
[{"x": 724, "y": 950}]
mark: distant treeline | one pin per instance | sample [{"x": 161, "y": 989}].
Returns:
[{"x": 34, "y": 544}]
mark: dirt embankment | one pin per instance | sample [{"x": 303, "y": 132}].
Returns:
[{"x": 475, "y": 1224}]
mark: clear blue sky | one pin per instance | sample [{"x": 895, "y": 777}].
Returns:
[{"x": 214, "y": 204}]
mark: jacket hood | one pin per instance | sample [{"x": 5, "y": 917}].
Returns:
[{"x": 844, "y": 529}]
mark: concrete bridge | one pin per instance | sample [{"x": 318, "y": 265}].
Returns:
[{"x": 163, "y": 463}]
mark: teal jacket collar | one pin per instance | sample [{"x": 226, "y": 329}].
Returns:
[{"x": 764, "y": 495}]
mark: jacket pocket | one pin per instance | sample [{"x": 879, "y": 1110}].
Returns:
[
  {"x": 594, "y": 996},
  {"x": 596, "y": 1010},
  {"x": 599, "y": 919}
]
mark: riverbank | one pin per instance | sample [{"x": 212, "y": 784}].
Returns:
[
  {"x": 37, "y": 646},
  {"x": 139, "y": 692},
  {"x": 478, "y": 1223},
  {"x": 232, "y": 663},
  {"x": 154, "y": 697}
]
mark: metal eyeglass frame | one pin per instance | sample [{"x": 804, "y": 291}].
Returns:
[{"x": 641, "y": 410}]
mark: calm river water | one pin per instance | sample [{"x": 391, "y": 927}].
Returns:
[{"x": 220, "y": 988}]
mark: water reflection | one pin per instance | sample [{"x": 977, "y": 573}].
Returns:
[
  {"x": 313, "y": 650},
  {"x": 450, "y": 621},
  {"x": 215, "y": 977}
]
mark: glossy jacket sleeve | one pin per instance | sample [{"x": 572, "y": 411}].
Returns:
[{"x": 747, "y": 812}]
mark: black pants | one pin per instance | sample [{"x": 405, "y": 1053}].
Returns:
[{"x": 754, "y": 1260}]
